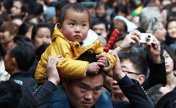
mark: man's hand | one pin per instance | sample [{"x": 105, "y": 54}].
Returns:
[
  {"x": 116, "y": 72},
  {"x": 153, "y": 50},
  {"x": 129, "y": 41},
  {"x": 52, "y": 72}
]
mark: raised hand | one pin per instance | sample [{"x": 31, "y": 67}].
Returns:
[{"x": 52, "y": 72}]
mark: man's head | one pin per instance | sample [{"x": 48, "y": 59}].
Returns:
[
  {"x": 18, "y": 9},
  {"x": 132, "y": 64},
  {"x": 86, "y": 91},
  {"x": 20, "y": 55},
  {"x": 74, "y": 21},
  {"x": 100, "y": 27}
]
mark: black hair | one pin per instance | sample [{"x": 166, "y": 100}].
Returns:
[
  {"x": 121, "y": 8},
  {"x": 38, "y": 26},
  {"x": 96, "y": 21},
  {"x": 138, "y": 61},
  {"x": 170, "y": 52},
  {"x": 75, "y": 6},
  {"x": 35, "y": 8},
  {"x": 23, "y": 29},
  {"x": 23, "y": 52},
  {"x": 41, "y": 50},
  {"x": 15, "y": 96},
  {"x": 170, "y": 20},
  {"x": 24, "y": 5},
  {"x": 8, "y": 4},
  {"x": 90, "y": 56},
  {"x": 171, "y": 15},
  {"x": 2, "y": 51}
]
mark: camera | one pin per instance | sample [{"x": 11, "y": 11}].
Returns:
[{"x": 146, "y": 38}]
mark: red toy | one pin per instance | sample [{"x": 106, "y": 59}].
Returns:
[{"x": 111, "y": 40}]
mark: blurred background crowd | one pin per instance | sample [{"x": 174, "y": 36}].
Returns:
[{"x": 35, "y": 19}]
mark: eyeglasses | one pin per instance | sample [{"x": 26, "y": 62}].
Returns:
[{"x": 128, "y": 72}]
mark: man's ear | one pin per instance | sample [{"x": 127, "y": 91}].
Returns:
[
  {"x": 65, "y": 82},
  {"x": 13, "y": 63},
  {"x": 14, "y": 60},
  {"x": 141, "y": 79},
  {"x": 59, "y": 26}
]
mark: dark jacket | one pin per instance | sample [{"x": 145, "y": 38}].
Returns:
[
  {"x": 168, "y": 100},
  {"x": 157, "y": 74},
  {"x": 25, "y": 79},
  {"x": 135, "y": 94},
  {"x": 44, "y": 94}
]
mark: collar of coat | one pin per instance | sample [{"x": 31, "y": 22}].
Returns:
[{"x": 91, "y": 37}]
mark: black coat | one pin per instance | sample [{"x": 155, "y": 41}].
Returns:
[
  {"x": 25, "y": 79},
  {"x": 135, "y": 93}
]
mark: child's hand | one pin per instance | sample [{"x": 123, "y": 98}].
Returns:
[
  {"x": 93, "y": 68},
  {"x": 102, "y": 59}
]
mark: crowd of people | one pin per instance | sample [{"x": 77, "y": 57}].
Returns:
[{"x": 52, "y": 54}]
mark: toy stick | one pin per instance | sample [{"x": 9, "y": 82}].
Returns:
[{"x": 111, "y": 40}]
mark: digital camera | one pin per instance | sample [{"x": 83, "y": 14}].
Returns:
[{"x": 146, "y": 38}]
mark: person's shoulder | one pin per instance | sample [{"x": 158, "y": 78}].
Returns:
[{"x": 168, "y": 100}]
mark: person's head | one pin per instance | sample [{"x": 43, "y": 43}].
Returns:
[
  {"x": 18, "y": 9},
  {"x": 32, "y": 19},
  {"x": 118, "y": 24},
  {"x": 152, "y": 21},
  {"x": 26, "y": 29},
  {"x": 100, "y": 27},
  {"x": 170, "y": 61},
  {"x": 154, "y": 5},
  {"x": 166, "y": 2},
  {"x": 171, "y": 15},
  {"x": 41, "y": 34},
  {"x": 90, "y": 5},
  {"x": 59, "y": 5},
  {"x": 48, "y": 2},
  {"x": 15, "y": 96},
  {"x": 8, "y": 31},
  {"x": 121, "y": 10},
  {"x": 50, "y": 15},
  {"x": 86, "y": 91},
  {"x": 100, "y": 9},
  {"x": 20, "y": 55},
  {"x": 171, "y": 28},
  {"x": 35, "y": 8},
  {"x": 132, "y": 64},
  {"x": 74, "y": 28}
]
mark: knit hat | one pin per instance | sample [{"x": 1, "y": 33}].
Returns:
[{"x": 49, "y": 13}]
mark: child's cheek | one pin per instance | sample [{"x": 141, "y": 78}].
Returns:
[
  {"x": 85, "y": 33},
  {"x": 68, "y": 35}
]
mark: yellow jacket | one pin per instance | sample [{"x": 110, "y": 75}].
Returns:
[{"x": 70, "y": 67}]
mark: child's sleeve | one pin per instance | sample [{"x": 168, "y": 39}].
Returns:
[{"x": 98, "y": 49}]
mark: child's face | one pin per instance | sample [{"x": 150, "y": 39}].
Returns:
[{"x": 75, "y": 25}]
